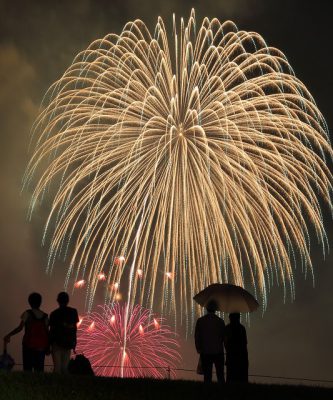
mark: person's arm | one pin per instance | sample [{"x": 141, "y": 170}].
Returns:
[
  {"x": 14, "y": 332},
  {"x": 73, "y": 320},
  {"x": 51, "y": 321},
  {"x": 51, "y": 328},
  {"x": 223, "y": 332}
]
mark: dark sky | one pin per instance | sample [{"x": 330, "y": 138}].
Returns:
[{"x": 38, "y": 41}]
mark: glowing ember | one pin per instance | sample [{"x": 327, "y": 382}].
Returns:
[
  {"x": 91, "y": 327},
  {"x": 80, "y": 284},
  {"x": 156, "y": 324},
  {"x": 101, "y": 276},
  {"x": 168, "y": 275},
  {"x": 119, "y": 260},
  {"x": 80, "y": 322},
  {"x": 139, "y": 273}
]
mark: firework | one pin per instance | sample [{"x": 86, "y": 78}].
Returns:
[
  {"x": 202, "y": 159},
  {"x": 151, "y": 348}
]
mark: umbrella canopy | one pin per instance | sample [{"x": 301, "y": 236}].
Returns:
[
  {"x": 6, "y": 361},
  {"x": 229, "y": 298}
]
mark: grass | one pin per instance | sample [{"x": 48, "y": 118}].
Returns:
[{"x": 20, "y": 386}]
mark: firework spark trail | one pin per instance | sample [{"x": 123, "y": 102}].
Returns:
[
  {"x": 152, "y": 348},
  {"x": 219, "y": 136},
  {"x": 129, "y": 297}
]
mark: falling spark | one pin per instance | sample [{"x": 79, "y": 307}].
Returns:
[
  {"x": 210, "y": 141},
  {"x": 149, "y": 352},
  {"x": 156, "y": 324},
  {"x": 119, "y": 260},
  {"x": 80, "y": 284},
  {"x": 101, "y": 276},
  {"x": 91, "y": 327},
  {"x": 140, "y": 273},
  {"x": 80, "y": 322}
]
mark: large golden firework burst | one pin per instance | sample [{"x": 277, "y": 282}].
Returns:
[{"x": 200, "y": 157}]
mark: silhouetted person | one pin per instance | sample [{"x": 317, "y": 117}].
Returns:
[
  {"x": 63, "y": 322},
  {"x": 35, "y": 341},
  {"x": 80, "y": 365},
  {"x": 209, "y": 334},
  {"x": 236, "y": 350}
]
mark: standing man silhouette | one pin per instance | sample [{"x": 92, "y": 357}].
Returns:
[
  {"x": 63, "y": 322},
  {"x": 209, "y": 337}
]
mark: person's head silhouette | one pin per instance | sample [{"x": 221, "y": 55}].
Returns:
[
  {"x": 35, "y": 300},
  {"x": 234, "y": 318},
  {"x": 63, "y": 299},
  {"x": 211, "y": 306}
]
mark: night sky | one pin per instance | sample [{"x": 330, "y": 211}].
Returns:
[{"x": 38, "y": 41}]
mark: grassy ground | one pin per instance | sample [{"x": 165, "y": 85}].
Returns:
[{"x": 20, "y": 386}]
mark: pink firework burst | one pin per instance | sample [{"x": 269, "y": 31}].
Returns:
[{"x": 144, "y": 347}]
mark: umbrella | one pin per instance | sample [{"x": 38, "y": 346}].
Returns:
[
  {"x": 6, "y": 361},
  {"x": 229, "y": 298}
]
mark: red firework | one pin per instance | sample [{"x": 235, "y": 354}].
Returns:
[{"x": 147, "y": 348}]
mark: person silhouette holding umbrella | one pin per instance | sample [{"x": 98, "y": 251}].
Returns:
[{"x": 209, "y": 335}]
